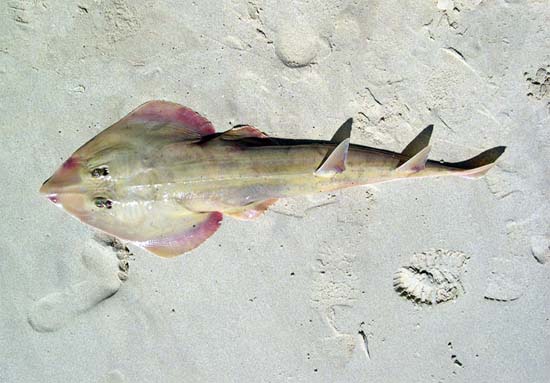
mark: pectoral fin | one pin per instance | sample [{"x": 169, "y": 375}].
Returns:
[
  {"x": 151, "y": 125},
  {"x": 160, "y": 113},
  {"x": 184, "y": 235}
]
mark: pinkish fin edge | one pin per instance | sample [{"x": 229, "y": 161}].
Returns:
[
  {"x": 193, "y": 233},
  {"x": 165, "y": 112}
]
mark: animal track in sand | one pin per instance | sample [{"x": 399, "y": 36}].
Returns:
[
  {"x": 56, "y": 310},
  {"x": 432, "y": 277}
]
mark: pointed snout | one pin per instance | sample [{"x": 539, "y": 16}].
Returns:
[
  {"x": 67, "y": 177},
  {"x": 46, "y": 187},
  {"x": 65, "y": 188}
]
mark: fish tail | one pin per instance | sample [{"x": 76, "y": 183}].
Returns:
[{"x": 479, "y": 165}]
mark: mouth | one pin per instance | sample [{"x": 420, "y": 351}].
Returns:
[
  {"x": 48, "y": 193},
  {"x": 52, "y": 191},
  {"x": 53, "y": 198}
]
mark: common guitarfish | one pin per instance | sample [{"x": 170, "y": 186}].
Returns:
[{"x": 162, "y": 178}]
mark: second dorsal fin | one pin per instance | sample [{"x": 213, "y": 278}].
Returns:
[
  {"x": 416, "y": 152},
  {"x": 419, "y": 142},
  {"x": 417, "y": 162}
]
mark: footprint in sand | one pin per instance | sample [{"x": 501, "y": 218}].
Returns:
[
  {"x": 432, "y": 276},
  {"x": 107, "y": 272}
]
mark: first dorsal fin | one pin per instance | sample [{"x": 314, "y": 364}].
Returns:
[
  {"x": 335, "y": 161},
  {"x": 343, "y": 132}
]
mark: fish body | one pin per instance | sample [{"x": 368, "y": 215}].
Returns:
[{"x": 162, "y": 177}]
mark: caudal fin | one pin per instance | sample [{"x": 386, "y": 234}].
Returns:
[{"x": 479, "y": 165}]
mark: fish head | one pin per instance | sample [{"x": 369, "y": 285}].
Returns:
[
  {"x": 101, "y": 183},
  {"x": 83, "y": 186}
]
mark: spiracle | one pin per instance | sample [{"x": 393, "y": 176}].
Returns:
[{"x": 432, "y": 277}]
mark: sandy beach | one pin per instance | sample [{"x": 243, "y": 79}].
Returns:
[{"x": 428, "y": 280}]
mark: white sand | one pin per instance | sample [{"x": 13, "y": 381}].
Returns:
[{"x": 305, "y": 293}]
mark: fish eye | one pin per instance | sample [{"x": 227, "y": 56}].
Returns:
[
  {"x": 100, "y": 172},
  {"x": 103, "y": 203}
]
